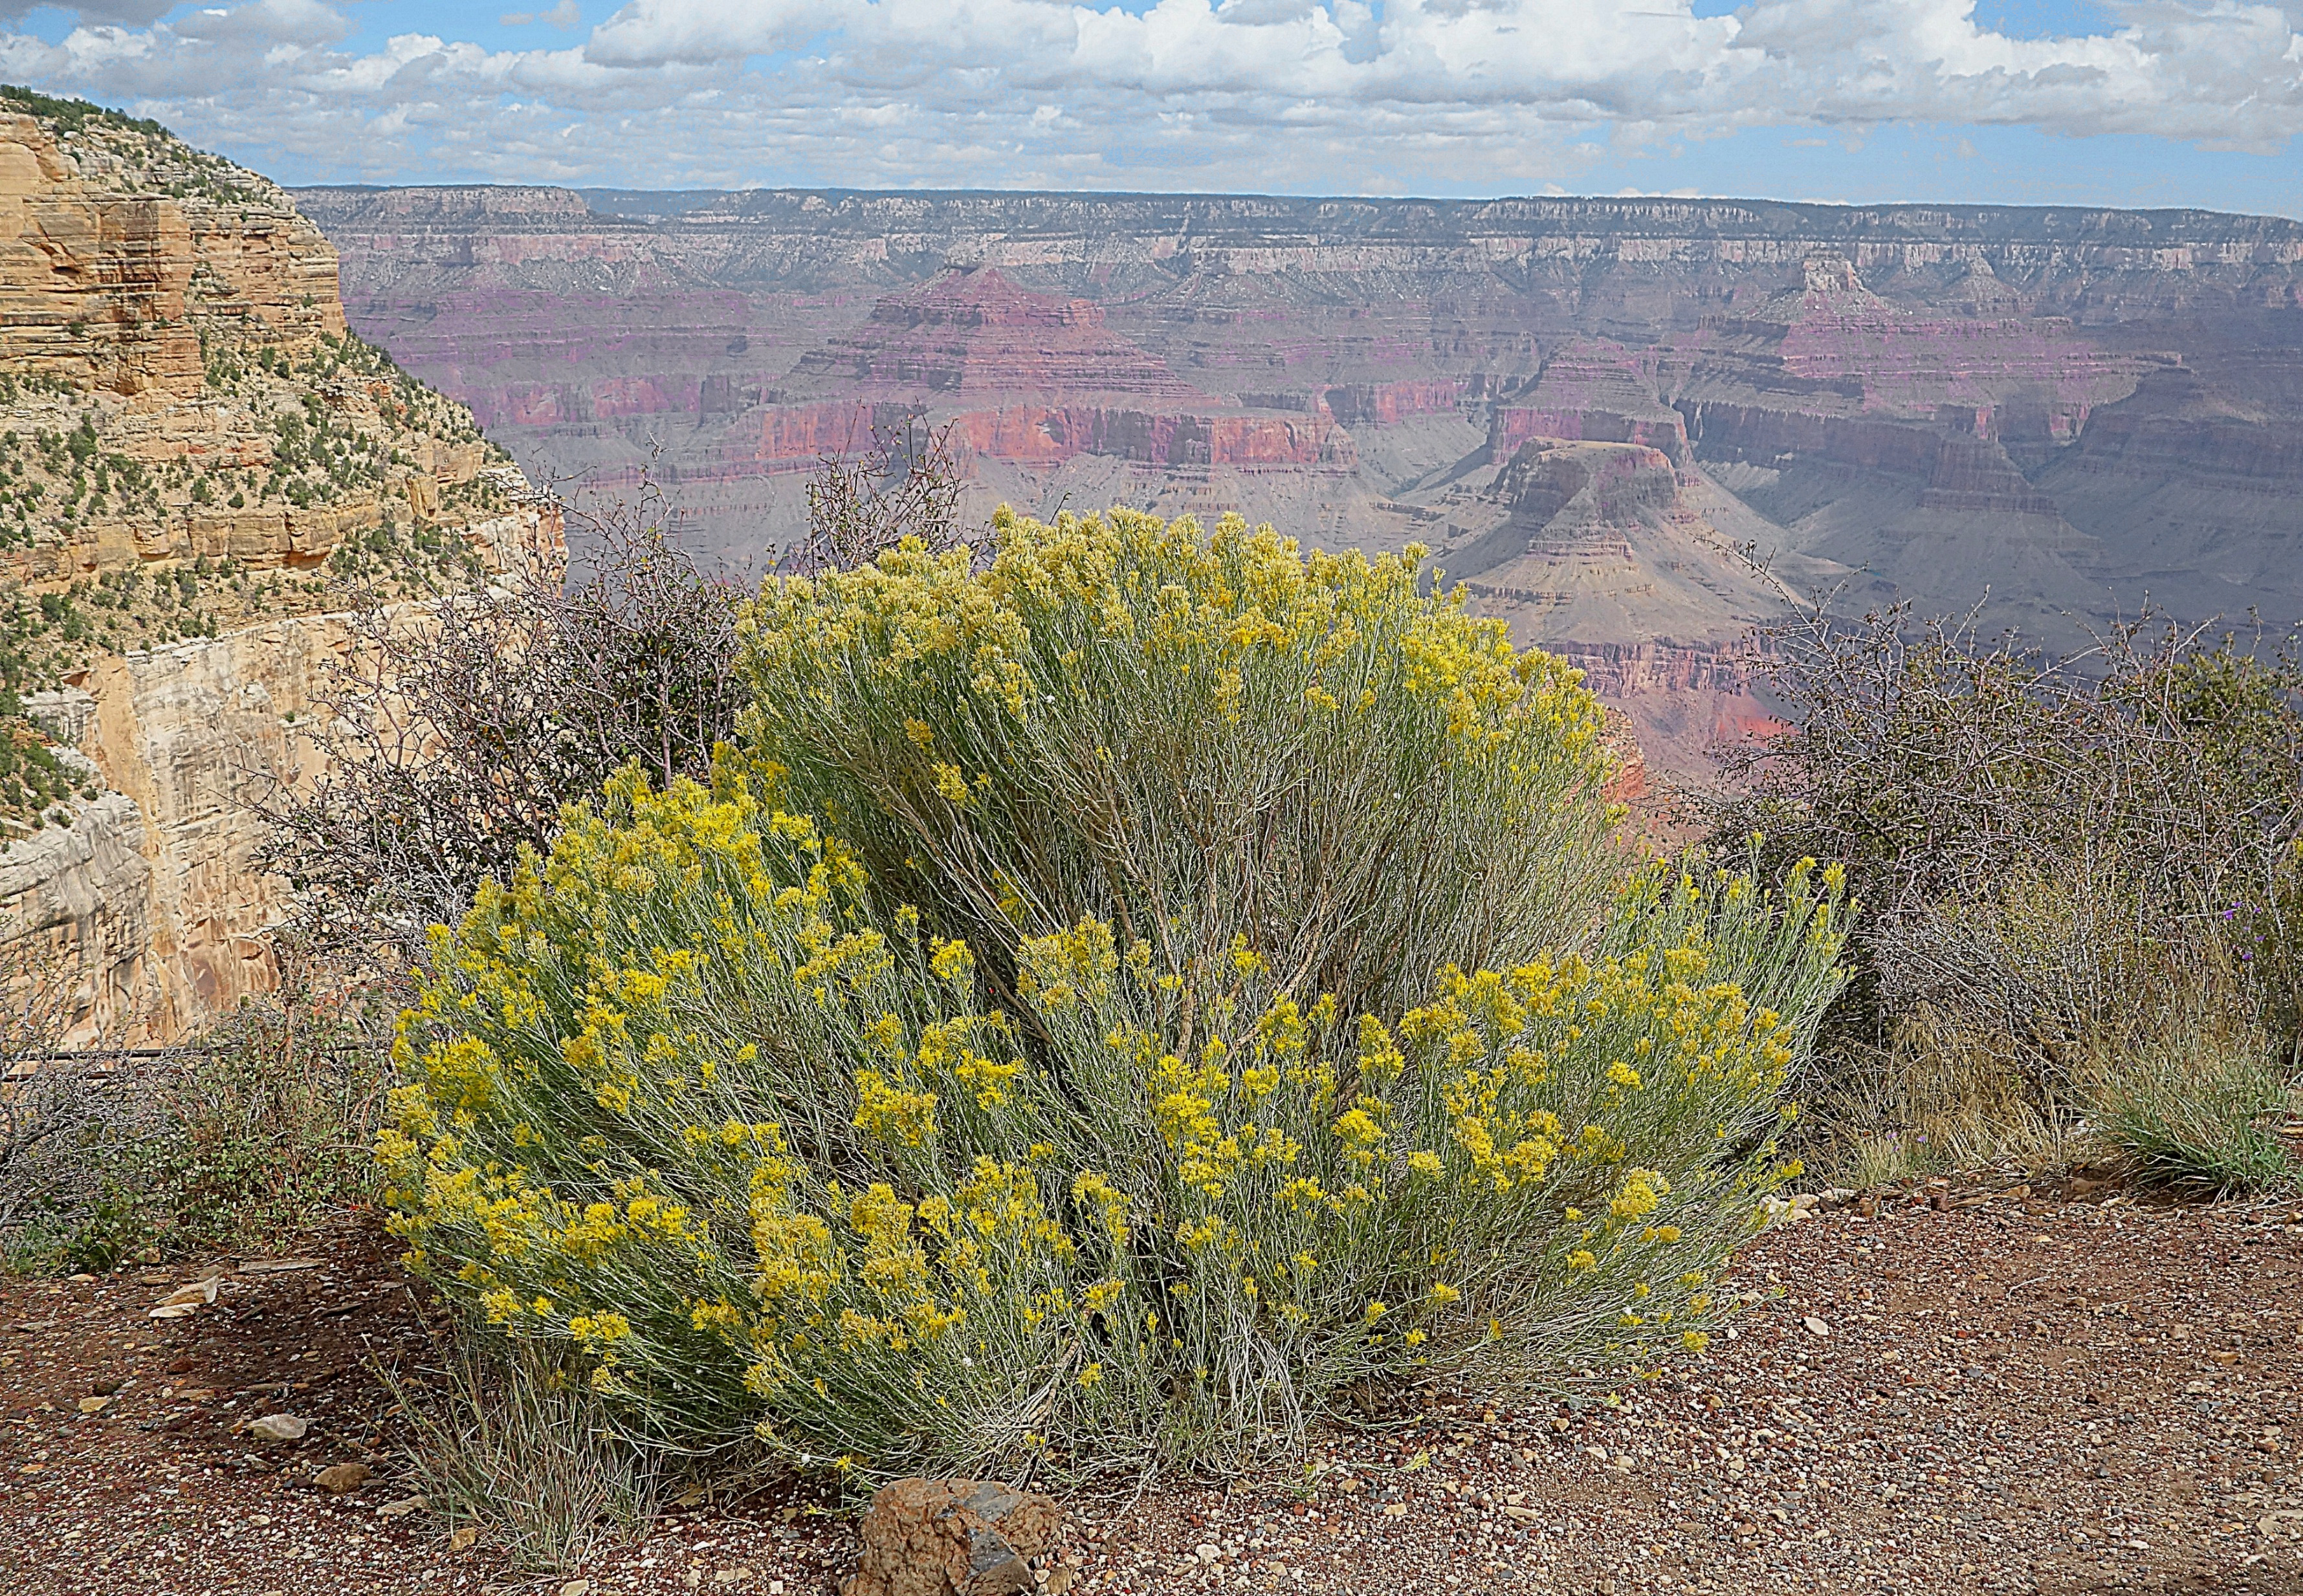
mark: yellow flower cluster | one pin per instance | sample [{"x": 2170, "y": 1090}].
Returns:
[{"x": 696, "y": 1101}]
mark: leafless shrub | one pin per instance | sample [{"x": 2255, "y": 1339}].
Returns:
[
  {"x": 260, "y": 1127},
  {"x": 906, "y": 484},
  {"x": 458, "y": 728},
  {"x": 64, "y": 1114},
  {"x": 2052, "y": 855}
]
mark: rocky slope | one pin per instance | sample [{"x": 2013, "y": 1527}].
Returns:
[
  {"x": 197, "y": 464},
  {"x": 2073, "y": 411},
  {"x": 1613, "y": 555}
]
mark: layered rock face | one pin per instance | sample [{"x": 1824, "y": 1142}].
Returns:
[
  {"x": 107, "y": 251},
  {"x": 972, "y": 332},
  {"x": 1605, "y": 552},
  {"x": 2067, "y": 411},
  {"x": 197, "y": 466}
]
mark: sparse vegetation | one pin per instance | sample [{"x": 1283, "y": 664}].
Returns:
[
  {"x": 511, "y": 1444},
  {"x": 906, "y": 485},
  {"x": 257, "y": 1131},
  {"x": 76, "y": 115},
  {"x": 2078, "y": 881}
]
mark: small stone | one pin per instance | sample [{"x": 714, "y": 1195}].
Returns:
[
  {"x": 279, "y": 1426},
  {"x": 1815, "y": 1326},
  {"x": 195, "y": 1294},
  {"x": 1396, "y": 1510},
  {"x": 577, "y": 1587},
  {"x": 341, "y": 1477},
  {"x": 462, "y": 1540},
  {"x": 402, "y": 1508},
  {"x": 94, "y": 1404}
]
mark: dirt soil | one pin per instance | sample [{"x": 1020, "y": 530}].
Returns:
[{"x": 2055, "y": 1395}]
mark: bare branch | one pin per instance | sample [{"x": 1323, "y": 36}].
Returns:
[
  {"x": 906, "y": 485},
  {"x": 458, "y": 728}
]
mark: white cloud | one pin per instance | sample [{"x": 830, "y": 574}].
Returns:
[
  {"x": 1233, "y": 93},
  {"x": 274, "y": 21},
  {"x": 563, "y": 16}
]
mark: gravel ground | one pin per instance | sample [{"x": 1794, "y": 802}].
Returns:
[{"x": 2044, "y": 1395}]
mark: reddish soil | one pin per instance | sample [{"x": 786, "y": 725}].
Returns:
[{"x": 2039, "y": 1397}]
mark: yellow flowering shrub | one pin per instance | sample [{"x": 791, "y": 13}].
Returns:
[
  {"x": 1201, "y": 738},
  {"x": 771, "y": 1162}
]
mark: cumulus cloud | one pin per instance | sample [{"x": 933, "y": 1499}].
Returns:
[{"x": 1336, "y": 93}]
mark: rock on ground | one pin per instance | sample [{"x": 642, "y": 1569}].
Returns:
[{"x": 952, "y": 1538}]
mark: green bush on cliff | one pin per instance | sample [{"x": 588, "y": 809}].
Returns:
[{"x": 1163, "y": 1030}]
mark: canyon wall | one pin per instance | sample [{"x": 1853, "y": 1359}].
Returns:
[
  {"x": 2064, "y": 413},
  {"x": 198, "y": 469}
]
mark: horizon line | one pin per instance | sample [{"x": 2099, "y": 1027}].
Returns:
[{"x": 1371, "y": 200}]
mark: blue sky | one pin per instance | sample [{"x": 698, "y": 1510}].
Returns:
[{"x": 2066, "y": 102}]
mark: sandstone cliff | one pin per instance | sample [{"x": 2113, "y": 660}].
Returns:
[{"x": 197, "y": 465}]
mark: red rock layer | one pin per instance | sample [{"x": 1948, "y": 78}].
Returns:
[
  {"x": 1515, "y": 424},
  {"x": 1592, "y": 392},
  {"x": 1765, "y": 435},
  {"x": 972, "y": 332},
  {"x": 799, "y": 438},
  {"x": 1607, "y": 489},
  {"x": 1047, "y": 435},
  {"x": 1388, "y": 404}
]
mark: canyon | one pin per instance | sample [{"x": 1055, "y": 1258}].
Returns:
[
  {"x": 1635, "y": 430},
  {"x": 2053, "y": 417},
  {"x": 200, "y": 469}
]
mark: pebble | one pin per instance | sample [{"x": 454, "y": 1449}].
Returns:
[
  {"x": 341, "y": 1477},
  {"x": 2041, "y": 1432}
]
